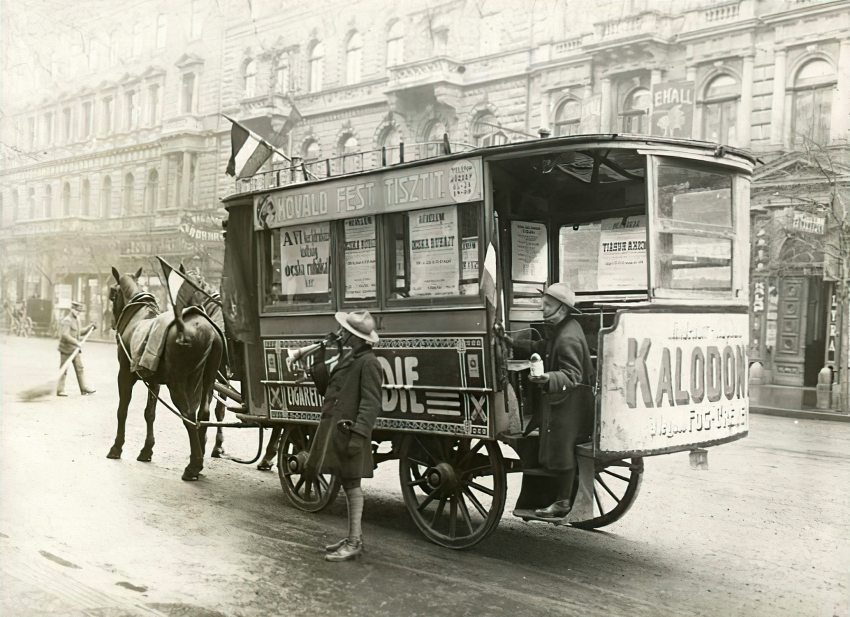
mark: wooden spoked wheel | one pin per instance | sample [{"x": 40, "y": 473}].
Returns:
[
  {"x": 454, "y": 488},
  {"x": 615, "y": 487},
  {"x": 310, "y": 496}
]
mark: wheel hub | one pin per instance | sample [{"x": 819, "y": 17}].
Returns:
[
  {"x": 296, "y": 462},
  {"x": 442, "y": 476}
]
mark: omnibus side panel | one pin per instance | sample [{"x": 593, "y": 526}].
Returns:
[
  {"x": 434, "y": 384},
  {"x": 672, "y": 380}
]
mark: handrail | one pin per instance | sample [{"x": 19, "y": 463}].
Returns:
[{"x": 344, "y": 164}]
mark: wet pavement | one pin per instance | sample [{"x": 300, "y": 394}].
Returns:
[{"x": 764, "y": 531}]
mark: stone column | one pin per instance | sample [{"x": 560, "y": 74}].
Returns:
[
  {"x": 545, "y": 102},
  {"x": 745, "y": 109},
  {"x": 605, "y": 88},
  {"x": 840, "y": 120},
  {"x": 162, "y": 200},
  {"x": 696, "y": 121},
  {"x": 184, "y": 180},
  {"x": 777, "y": 111}
]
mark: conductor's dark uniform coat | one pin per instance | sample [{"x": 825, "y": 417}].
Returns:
[{"x": 353, "y": 393}]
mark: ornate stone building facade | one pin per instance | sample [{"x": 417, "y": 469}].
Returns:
[{"x": 325, "y": 80}]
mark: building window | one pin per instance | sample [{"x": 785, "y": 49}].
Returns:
[
  {"x": 87, "y": 119},
  {"x": 129, "y": 194},
  {"x": 486, "y": 131},
  {"x": 16, "y": 204},
  {"x": 85, "y": 198},
  {"x": 138, "y": 40},
  {"x": 161, "y": 30},
  {"x": 152, "y": 191},
  {"x": 130, "y": 110},
  {"x": 31, "y": 133},
  {"x": 568, "y": 118},
  {"x": 197, "y": 18},
  {"x": 66, "y": 199},
  {"x": 353, "y": 58},
  {"x": 47, "y": 203},
  {"x": 106, "y": 198},
  {"x": 66, "y": 125},
  {"x": 31, "y": 203},
  {"x": 312, "y": 152},
  {"x": 395, "y": 44},
  {"x": 720, "y": 110},
  {"x": 112, "y": 50},
  {"x": 282, "y": 76},
  {"x": 391, "y": 140},
  {"x": 812, "y": 89},
  {"x": 107, "y": 115},
  {"x": 187, "y": 93},
  {"x": 317, "y": 58},
  {"x": 249, "y": 79},
  {"x": 47, "y": 129},
  {"x": 635, "y": 115},
  {"x": 351, "y": 159},
  {"x": 153, "y": 104},
  {"x": 439, "y": 41}
]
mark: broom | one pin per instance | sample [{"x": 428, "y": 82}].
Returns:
[{"x": 49, "y": 388}]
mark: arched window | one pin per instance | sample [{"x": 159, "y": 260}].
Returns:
[
  {"x": 395, "y": 44},
  {"x": 187, "y": 93},
  {"x": 348, "y": 148},
  {"x": 31, "y": 203},
  {"x": 129, "y": 197},
  {"x": 312, "y": 152},
  {"x": 85, "y": 198},
  {"x": 353, "y": 58},
  {"x": 635, "y": 114},
  {"x": 486, "y": 131},
  {"x": 720, "y": 110},
  {"x": 568, "y": 118},
  {"x": 249, "y": 79},
  {"x": 152, "y": 191},
  {"x": 433, "y": 138},
  {"x": 391, "y": 139},
  {"x": 812, "y": 89},
  {"x": 66, "y": 199},
  {"x": 106, "y": 198},
  {"x": 316, "y": 64},
  {"x": 47, "y": 207}
]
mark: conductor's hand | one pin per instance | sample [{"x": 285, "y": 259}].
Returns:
[
  {"x": 355, "y": 444},
  {"x": 541, "y": 379}
]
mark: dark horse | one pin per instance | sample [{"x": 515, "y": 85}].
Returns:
[{"x": 188, "y": 365}]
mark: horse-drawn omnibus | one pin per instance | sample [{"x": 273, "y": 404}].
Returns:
[{"x": 651, "y": 233}]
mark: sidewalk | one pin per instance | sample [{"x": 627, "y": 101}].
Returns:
[
  {"x": 791, "y": 402},
  {"x": 801, "y": 414}
]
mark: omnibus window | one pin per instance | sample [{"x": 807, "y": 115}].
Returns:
[
  {"x": 360, "y": 262},
  {"x": 603, "y": 256},
  {"x": 529, "y": 261},
  {"x": 300, "y": 265},
  {"x": 694, "y": 251},
  {"x": 435, "y": 252}
]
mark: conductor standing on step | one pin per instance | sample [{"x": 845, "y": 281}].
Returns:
[{"x": 565, "y": 413}]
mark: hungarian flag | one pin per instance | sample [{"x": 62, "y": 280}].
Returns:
[
  {"x": 179, "y": 286},
  {"x": 248, "y": 151},
  {"x": 488, "y": 277}
]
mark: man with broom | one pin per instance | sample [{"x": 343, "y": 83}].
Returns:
[{"x": 69, "y": 342}]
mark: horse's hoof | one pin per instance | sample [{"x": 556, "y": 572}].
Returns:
[
  {"x": 216, "y": 453},
  {"x": 190, "y": 476},
  {"x": 264, "y": 466},
  {"x": 114, "y": 454},
  {"x": 144, "y": 458}
]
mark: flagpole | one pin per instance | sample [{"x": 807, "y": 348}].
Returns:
[{"x": 258, "y": 137}]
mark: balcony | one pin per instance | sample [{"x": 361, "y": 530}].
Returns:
[
  {"x": 712, "y": 18},
  {"x": 648, "y": 26},
  {"x": 428, "y": 72},
  {"x": 184, "y": 124}
]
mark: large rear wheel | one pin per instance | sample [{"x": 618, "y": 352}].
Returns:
[
  {"x": 310, "y": 496},
  {"x": 454, "y": 488},
  {"x": 615, "y": 487}
]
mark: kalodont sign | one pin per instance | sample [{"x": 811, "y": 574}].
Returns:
[{"x": 673, "y": 109}]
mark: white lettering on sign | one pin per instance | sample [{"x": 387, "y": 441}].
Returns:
[
  {"x": 402, "y": 372},
  {"x": 809, "y": 223},
  {"x": 413, "y": 188},
  {"x": 672, "y": 380}
]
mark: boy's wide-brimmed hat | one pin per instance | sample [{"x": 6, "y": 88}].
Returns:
[
  {"x": 360, "y": 323},
  {"x": 564, "y": 294},
  {"x": 77, "y": 306}
]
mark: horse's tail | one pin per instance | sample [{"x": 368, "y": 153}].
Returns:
[{"x": 180, "y": 325}]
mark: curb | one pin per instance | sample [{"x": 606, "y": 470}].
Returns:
[{"x": 803, "y": 414}]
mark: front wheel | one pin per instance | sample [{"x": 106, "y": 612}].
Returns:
[
  {"x": 292, "y": 452},
  {"x": 454, "y": 488},
  {"x": 615, "y": 487}
]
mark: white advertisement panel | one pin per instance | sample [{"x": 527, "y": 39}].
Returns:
[
  {"x": 434, "y": 267},
  {"x": 305, "y": 256},
  {"x": 673, "y": 380}
]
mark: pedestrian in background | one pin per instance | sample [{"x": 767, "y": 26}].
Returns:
[
  {"x": 69, "y": 340},
  {"x": 343, "y": 441}
]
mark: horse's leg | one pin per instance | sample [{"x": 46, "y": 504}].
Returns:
[
  {"x": 146, "y": 452},
  {"x": 271, "y": 450},
  {"x": 203, "y": 416},
  {"x": 125, "y": 392},
  {"x": 182, "y": 400},
  {"x": 218, "y": 449}
]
